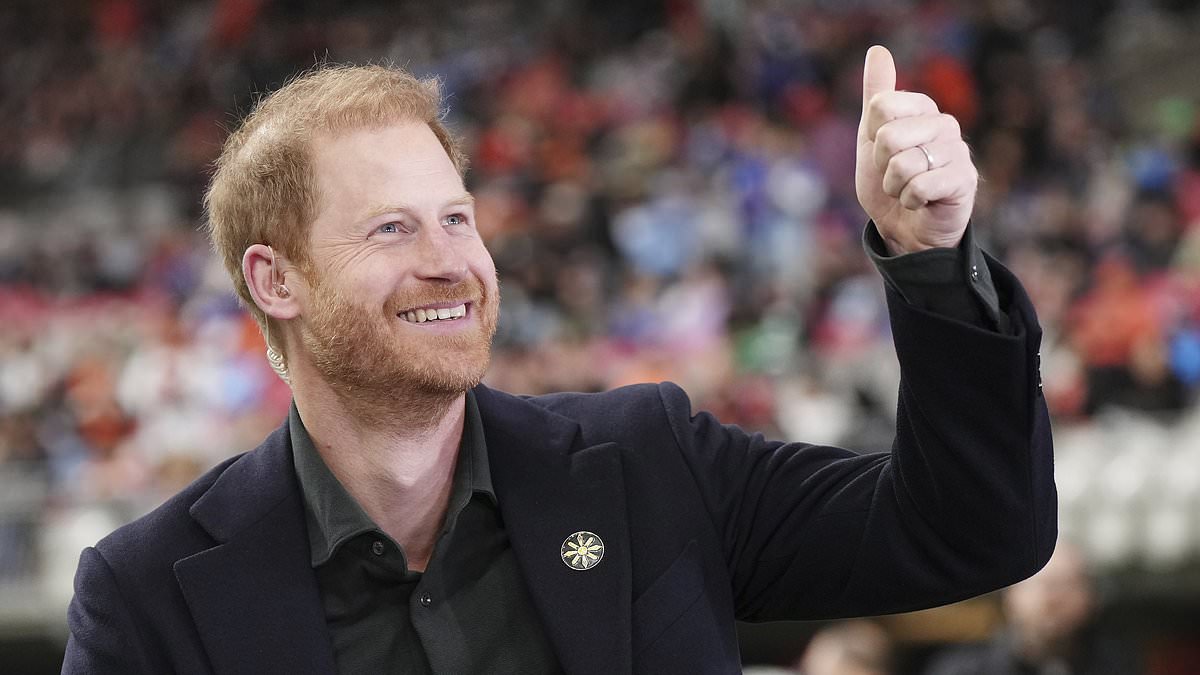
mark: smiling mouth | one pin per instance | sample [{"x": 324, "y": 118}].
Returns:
[{"x": 428, "y": 314}]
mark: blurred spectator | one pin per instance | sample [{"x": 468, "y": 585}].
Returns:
[
  {"x": 856, "y": 647},
  {"x": 1049, "y": 629},
  {"x": 1117, "y": 331}
]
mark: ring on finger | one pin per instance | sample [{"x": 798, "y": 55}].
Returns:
[{"x": 928, "y": 157}]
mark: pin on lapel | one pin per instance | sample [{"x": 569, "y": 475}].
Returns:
[{"x": 583, "y": 550}]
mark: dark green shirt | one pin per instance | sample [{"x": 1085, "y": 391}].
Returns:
[
  {"x": 469, "y": 612},
  {"x": 952, "y": 282}
]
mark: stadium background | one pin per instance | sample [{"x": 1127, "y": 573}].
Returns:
[{"x": 667, "y": 190}]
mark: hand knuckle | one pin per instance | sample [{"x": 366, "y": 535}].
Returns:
[
  {"x": 892, "y": 186},
  {"x": 882, "y": 135},
  {"x": 881, "y": 157},
  {"x": 952, "y": 124},
  {"x": 886, "y": 139}
]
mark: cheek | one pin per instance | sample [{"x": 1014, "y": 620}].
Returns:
[{"x": 365, "y": 290}]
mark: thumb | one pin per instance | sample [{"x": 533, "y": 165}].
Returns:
[{"x": 879, "y": 74}]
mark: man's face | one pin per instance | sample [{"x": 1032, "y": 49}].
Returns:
[{"x": 403, "y": 294}]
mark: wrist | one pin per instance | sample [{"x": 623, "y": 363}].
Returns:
[{"x": 896, "y": 246}]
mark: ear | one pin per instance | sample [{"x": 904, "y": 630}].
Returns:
[{"x": 266, "y": 272}]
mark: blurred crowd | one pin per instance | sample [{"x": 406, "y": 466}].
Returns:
[
  {"x": 667, "y": 189},
  {"x": 1048, "y": 626}
]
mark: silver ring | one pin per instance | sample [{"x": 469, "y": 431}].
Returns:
[{"x": 928, "y": 157}]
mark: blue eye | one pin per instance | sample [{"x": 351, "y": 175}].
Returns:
[
  {"x": 456, "y": 219},
  {"x": 389, "y": 228}
]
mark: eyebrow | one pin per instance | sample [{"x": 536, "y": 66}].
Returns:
[{"x": 467, "y": 199}]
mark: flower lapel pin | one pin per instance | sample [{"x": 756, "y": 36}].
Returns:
[{"x": 583, "y": 550}]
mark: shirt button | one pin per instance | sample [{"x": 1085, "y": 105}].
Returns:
[
  {"x": 426, "y": 600},
  {"x": 377, "y": 547}
]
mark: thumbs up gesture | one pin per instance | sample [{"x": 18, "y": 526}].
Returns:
[{"x": 914, "y": 176}]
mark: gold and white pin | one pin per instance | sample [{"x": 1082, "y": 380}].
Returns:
[{"x": 583, "y": 550}]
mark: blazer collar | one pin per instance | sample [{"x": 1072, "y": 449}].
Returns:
[
  {"x": 254, "y": 596},
  {"x": 550, "y": 485},
  {"x": 228, "y": 507}
]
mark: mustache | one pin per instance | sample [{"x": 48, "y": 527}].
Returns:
[{"x": 469, "y": 290}]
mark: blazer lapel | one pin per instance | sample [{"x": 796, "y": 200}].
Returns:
[
  {"x": 254, "y": 596},
  {"x": 549, "y": 489}
]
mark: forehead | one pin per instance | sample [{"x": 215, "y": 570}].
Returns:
[{"x": 400, "y": 162}]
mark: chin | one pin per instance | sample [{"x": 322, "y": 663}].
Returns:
[{"x": 451, "y": 378}]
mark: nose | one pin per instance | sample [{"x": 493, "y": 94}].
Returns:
[{"x": 438, "y": 257}]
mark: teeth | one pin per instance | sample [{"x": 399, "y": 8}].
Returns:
[{"x": 441, "y": 314}]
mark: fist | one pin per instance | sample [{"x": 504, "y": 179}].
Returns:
[{"x": 914, "y": 176}]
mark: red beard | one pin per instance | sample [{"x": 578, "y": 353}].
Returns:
[{"x": 361, "y": 354}]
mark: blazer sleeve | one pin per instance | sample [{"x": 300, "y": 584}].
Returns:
[
  {"x": 104, "y": 638},
  {"x": 963, "y": 504}
]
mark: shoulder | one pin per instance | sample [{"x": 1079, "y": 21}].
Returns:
[
  {"x": 637, "y": 417},
  {"x": 166, "y": 533},
  {"x": 242, "y": 484},
  {"x": 631, "y": 413},
  {"x": 633, "y": 401}
]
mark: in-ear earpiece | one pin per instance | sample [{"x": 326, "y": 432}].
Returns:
[
  {"x": 280, "y": 289},
  {"x": 278, "y": 363}
]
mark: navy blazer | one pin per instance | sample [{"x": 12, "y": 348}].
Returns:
[{"x": 703, "y": 523}]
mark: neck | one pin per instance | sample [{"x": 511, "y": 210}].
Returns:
[{"x": 398, "y": 467}]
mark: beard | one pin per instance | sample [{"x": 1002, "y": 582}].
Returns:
[{"x": 383, "y": 378}]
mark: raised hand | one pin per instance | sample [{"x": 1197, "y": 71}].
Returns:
[{"x": 914, "y": 174}]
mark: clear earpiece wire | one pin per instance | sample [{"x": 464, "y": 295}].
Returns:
[{"x": 278, "y": 364}]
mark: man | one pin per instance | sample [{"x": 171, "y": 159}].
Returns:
[
  {"x": 1049, "y": 629},
  {"x": 408, "y": 519}
]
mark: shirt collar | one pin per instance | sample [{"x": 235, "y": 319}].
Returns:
[
  {"x": 474, "y": 445},
  {"x": 332, "y": 514}
]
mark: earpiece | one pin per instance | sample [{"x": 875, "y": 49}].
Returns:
[
  {"x": 280, "y": 289},
  {"x": 278, "y": 363}
]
